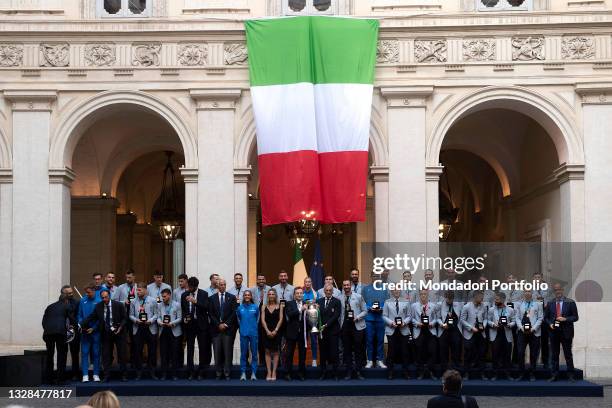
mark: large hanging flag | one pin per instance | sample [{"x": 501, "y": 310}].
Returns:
[
  {"x": 299, "y": 268},
  {"x": 311, "y": 86},
  {"x": 317, "y": 275}
]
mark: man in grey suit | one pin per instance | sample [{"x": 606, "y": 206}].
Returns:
[
  {"x": 473, "y": 325},
  {"x": 355, "y": 284},
  {"x": 352, "y": 329},
  {"x": 424, "y": 315},
  {"x": 397, "y": 315},
  {"x": 410, "y": 296},
  {"x": 154, "y": 289},
  {"x": 513, "y": 297},
  {"x": 449, "y": 331},
  {"x": 284, "y": 290},
  {"x": 528, "y": 317},
  {"x": 143, "y": 314},
  {"x": 169, "y": 319},
  {"x": 329, "y": 281},
  {"x": 500, "y": 322},
  {"x": 260, "y": 290}
]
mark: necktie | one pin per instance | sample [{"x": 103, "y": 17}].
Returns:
[
  {"x": 222, "y": 302},
  {"x": 355, "y": 289},
  {"x": 347, "y": 304},
  {"x": 558, "y": 309},
  {"x": 396, "y": 306},
  {"x": 326, "y": 302},
  {"x": 108, "y": 317}
]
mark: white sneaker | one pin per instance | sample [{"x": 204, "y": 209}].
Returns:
[
  {"x": 96, "y": 378},
  {"x": 380, "y": 364},
  {"x": 368, "y": 364},
  {"x": 253, "y": 377},
  {"x": 243, "y": 377},
  {"x": 314, "y": 363},
  {"x": 85, "y": 378}
]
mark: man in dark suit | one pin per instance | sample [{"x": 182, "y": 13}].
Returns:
[
  {"x": 194, "y": 307},
  {"x": 329, "y": 309},
  {"x": 560, "y": 316},
  {"x": 294, "y": 333},
  {"x": 222, "y": 312},
  {"x": 111, "y": 318},
  {"x": 57, "y": 318},
  {"x": 451, "y": 393}
]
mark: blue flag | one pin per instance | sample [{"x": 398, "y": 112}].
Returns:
[{"x": 316, "y": 270}]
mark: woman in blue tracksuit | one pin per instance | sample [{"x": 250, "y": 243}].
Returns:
[{"x": 248, "y": 319}]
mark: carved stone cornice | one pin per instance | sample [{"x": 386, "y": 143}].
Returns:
[
  {"x": 215, "y": 98},
  {"x": 406, "y": 96},
  {"x": 567, "y": 172},
  {"x": 31, "y": 100},
  {"x": 63, "y": 176},
  {"x": 379, "y": 173},
  {"x": 189, "y": 175},
  {"x": 432, "y": 173},
  {"x": 595, "y": 93},
  {"x": 242, "y": 175},
  {"x": 6, "y": 176}
]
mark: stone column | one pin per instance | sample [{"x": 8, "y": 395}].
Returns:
[
  {"x": 432, "y": 179},
  {"x": 6, "y": 251},
  {"x": 380, "y": 177},
  {"x": 190, "y": 177},
  {"x": 406, "y": 126},
  {"x": 241, "y": 209},
  {"x": 60, "y": 181},
  {"x": 30, "y": 249},
  {"x": 216, "y": 195}
]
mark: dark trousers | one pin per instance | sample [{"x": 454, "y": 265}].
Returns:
[
  {"x": 533, "y": 342},
  {"x": 426, "y": 350},
  {"x": 224, "y": 347},
  {"x": 109, "y": 342},
  {"x": 143, "y": 336},
  {"x": 545, "y": 345},
  {"x": 475, "y": 350},
  {"x": 168, "y": 351},
  {"x": 397, "y": 352},
  {"x": 180, "y": 351},
  {"x": 502, "y": 350},
  {"x": 261, "y": 350},
  {"x": 301, "y": 346},
  {"x": 515, "y": 348},
  {"x": 450, "y": 344},
  {"x": 352, "y": 341},
  {"x": 193, "y": 332},
  {"x": 75, "y": 349},
  {"x": 53, "y": 342},
  {"x": 557, "y": 340},
  {"x": 328, "y": 352}
]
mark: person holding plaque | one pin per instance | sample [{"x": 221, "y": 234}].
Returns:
[
  {"x": 424, "y": 316},
  {"x": 513, "y": 297},
  {"x": 375, "y": 326},
  {"x": 449, "y": 331},
  {"x": 295, "y": 335},
  {"x": 111, "y": 319},
  {"x": 500, "y": 322},
  {"x": 222, "y": 314},
  {"x": 352, "y": 329},
  {"x": 329, "y": 314},
  {"x": 194, "y": 308},
  {"x": 271, "y": 320},
  {"x": 126, "y": 293},
  {"x": 155, "y": 288},
  {"x": 169, "y": 317},
  {"x": 473, "y": 322},
  {"x": 561, "y": 314},
  {"x": 528, "y": 317},
  {"x": 248, "y": 319},
  {"x": 143, "y": 314},
  {"x": 177, "y": 294},
  {"x": 397, "y": 315}
]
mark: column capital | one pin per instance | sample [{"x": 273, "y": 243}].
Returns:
[
  {"x": 6, "y": 176},
  {"x": 433, "y": 173},
  {"x": 215, "y": 98},
  {"x": 189, "y": 175},
  {"x": 595, "y": 93},
  {"x": 242, "y": 175},
  {"x": 63, "y": 176},
  {"x": 406, "y": 96},
  {"x": 379, "y": 173},
  {"x": 566, "y": 172},
  {"x": 31, "y": 100}
]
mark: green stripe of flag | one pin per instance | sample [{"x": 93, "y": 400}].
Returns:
[{"x": 318, "y": 50}]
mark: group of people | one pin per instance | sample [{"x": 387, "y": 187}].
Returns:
[{"x": 449, "y": 330}]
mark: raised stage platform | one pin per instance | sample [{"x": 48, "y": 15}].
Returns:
[{"x": 374, "y": 384}]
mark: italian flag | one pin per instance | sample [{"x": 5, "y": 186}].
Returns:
[
  {"x": 311, "y": 88},
  {"x": 299, "y": 268}
]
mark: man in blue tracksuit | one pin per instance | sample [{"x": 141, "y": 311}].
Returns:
[
  {"x": 90, "y": 338},
  {"x": 375, "y": 326}
]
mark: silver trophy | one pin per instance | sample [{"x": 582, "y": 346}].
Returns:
[{"x": 312, "y": 315}]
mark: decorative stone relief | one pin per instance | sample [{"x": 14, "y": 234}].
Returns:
[
  {"x": 146, "y": 55},
  {"x": 235, "y": 54},
  {"x": 527, "y": 48},
  {"x": 577, "y": 48},
  {"x": 479, "y": 50},
  {"x": 100, "y": 55},
  {"x": 11, "y": 55},
  {"x": 54, "y": 55},
  {"x": 430, "y": 50},
  {"x": 387, "y": 51},
  {"x": 192, "y": 54}
]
